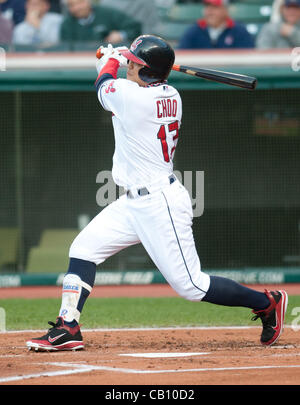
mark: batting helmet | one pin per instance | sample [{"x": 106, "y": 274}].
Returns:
[{"x": 155, "y": 54}]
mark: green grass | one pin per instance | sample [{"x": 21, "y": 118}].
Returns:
[{"x": 131, "y": 312}]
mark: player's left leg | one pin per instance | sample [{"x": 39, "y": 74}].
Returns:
[{"x": 108, "y": 233}]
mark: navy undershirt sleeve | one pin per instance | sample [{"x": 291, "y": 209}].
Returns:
[{"x": 101, "y": 79}]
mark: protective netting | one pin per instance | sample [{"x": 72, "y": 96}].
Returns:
[{"x": 53, "y": 145}]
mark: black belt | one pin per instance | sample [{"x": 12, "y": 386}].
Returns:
[{"x": 144, "y": 191}]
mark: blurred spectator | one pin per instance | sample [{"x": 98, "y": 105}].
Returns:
[
  {"x": 275, "y": 15},
  {"x": 286, "y": 32},
  {"x": 86, "y": 22},
  {"x": 40, "y": 26},
  {"x": 13, "y": 10},
  {"x": 142, "y": 11},
  {"x": 216, "y": 30},
  {"x": 6, "y": 29},
  {"x": 55, "y": 6}
]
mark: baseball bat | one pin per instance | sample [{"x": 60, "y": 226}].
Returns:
[{"x": 233, "y": 79}]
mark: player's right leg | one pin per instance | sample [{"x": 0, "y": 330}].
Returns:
[
  {"x": 108, "y": 233},
  {"x": 269, "y": 306},
  {"x": 168, "y": 238}
]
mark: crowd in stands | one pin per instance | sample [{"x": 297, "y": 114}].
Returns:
[
  {"x": 216, "y": 30},
  {"x": 46, "y": 23}
]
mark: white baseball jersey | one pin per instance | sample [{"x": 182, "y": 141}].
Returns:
[{"x": 146, "y": 122}]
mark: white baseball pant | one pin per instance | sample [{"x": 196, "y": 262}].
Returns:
[{"x": 162, "y": 222}]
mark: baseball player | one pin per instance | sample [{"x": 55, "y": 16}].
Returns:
[{"x": 156, "y": 209}]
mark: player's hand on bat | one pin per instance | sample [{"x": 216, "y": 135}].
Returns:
[
  {"x": 103, "y": 54},
  {"x": 122, "y": 60}
]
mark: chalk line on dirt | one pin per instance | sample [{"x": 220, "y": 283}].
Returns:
[
  {"x": 164, "y": 355},
  {"x": 145, "y": 329},
  {"x": 80, "y": 368}
]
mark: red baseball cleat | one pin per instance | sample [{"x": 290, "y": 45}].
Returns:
[
  {"x": 59, "y": 337},
  {"x": 272, "y": 317}
]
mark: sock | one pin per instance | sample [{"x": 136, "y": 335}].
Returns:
[
  {"x": 77, "y": 285},
  {"x": 71, "y": 324},
  {"x": 223, "y": 291}
]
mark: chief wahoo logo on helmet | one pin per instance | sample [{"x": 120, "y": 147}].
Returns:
[
  {"x": 135, "y": 44},
  {"x": 155, "y": 54}
]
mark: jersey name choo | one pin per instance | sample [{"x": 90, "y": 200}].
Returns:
[{"x": 166, "y": 108}]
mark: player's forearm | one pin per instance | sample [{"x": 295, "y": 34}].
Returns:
[{"x": 108, "y": 72}]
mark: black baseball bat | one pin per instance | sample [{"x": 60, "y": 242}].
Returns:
[{"x": 232, "y": 79}]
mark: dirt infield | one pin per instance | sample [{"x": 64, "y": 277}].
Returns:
[
  {"x": 177, "y": 357},
  {"x": 165, "y": 356}
]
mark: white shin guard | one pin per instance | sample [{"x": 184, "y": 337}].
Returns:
[{"x": 71, "y": 294}]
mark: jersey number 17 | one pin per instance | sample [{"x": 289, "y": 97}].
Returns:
[{"x": 166, "y": 133}]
